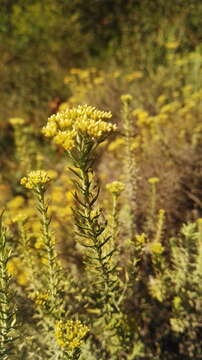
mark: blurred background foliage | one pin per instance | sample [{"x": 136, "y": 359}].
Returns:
[
  {"x": 75, "y": 52},
  {"x": 64, "y": 53},
  {"x": 42, "y": 40}
]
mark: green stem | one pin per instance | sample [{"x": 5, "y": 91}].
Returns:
[
  {"x": 90, "y": 223},
  {"x": 48, "y": 242}
]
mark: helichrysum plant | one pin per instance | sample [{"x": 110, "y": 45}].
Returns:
[
  {"x": 8, "y": 329},
  {"x": 37, "y": 181},
  {"x": 47, "y": 296},
  {"x": 79, "y": 131},
  {"x": 64, "y": 342}
]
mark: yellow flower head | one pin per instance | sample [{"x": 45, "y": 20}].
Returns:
[
  {"x": 172, "y": 44},
  {"x": 156, "y": 248},
  {"x": 199, "y": 221},
  {"x": 16, "y": 202},
  {"x": 35, "y": 178},
  {"x": 16, "y": 121},
  {"x": 116, "y": 187},
  {"x": 134, "y": 76},
  {"x": 140, "y": 239},
  {"x": 153, "y": 180},
  {"x": 126, "y": 98},
  {"x": 15, "y": 268},
  {"x": 177, "y": 302},
  {"x": 116, "y": 144},
  {"x": 70, "y": 334},
  {"x": 85, "y": 120}
]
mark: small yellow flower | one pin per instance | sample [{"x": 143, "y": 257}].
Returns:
[
  {"x": 126, "y": 98},
  {"x": 156, "y": 248},
  {"x": 116, "y": 74},
  {"x": 116, "y": 144},
  {"x": 69, "y": 334},
  {"x": 57, "y": 195},
  {"x": 142, "y": 117},
  {"x": 66, "y": 211},
  {"x": 22, "y": 279},
  {"x": 15, "y": 268},
  {"x": 161, "y": 99},
  {"x": 172, "y": 44},
  {"x": 35, "y": 178},
  {"x": 177, "y": 302},
  {"x": 39, "y": 243},
  {"x": 69, "y": 196},
  {"x": 141, "y": 239},
  {"x": 178, "y": 325},
  {"x": 16, "y": 121},
  {"x": 98, "y": 80},
  {"x": 116, "y": 187},
  {"x": 16, "y": 202},
  {"x": 153, "y": 180},
  {"x": 134, "y": 76}
]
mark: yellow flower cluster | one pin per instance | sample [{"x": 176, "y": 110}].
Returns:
[
  {"x": 134, "y": 76},
  {"x": 140, "y": 239},
  {"x": 116, "y": 187},
  {"x": 16, "y": 121},
  {"x": 156, "y": 248},
  {"x": 142, "y": 117},
  {"x": 182, "y": 107},
  {"x": 15, "y": 268},
  {"x": 116, "y": 144},
  {"x": 126, "y": 98},
  {"x": 35, "y": 178},
  {"x": 153, "y": 180},
  {"x": 86, "y": 120},
  {"x": 172, "y": 45},
  {"x": 177, "y": 303},
  {"x": 70, "y": 334},
  {"x": 16, "y": 202}
]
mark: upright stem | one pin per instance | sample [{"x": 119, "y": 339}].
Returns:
[
  {"x": 49, "y": 246},
  {"x": 93, "y": 226}
]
